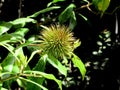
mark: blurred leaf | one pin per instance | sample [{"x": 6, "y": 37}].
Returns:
[
  {"x": 8, "y": 63},
  {"x": 30, "y": 81},
  {"x": 101, "y": 5},
  {"x": 21, "y": 22},
  {"x": 18, "y": 35},
  {"x": 57, "y": 64},
  {"x": 21, "y": 31},
  {"x": 5, "y": 38},
  {"x": 40, "y": 66},
  {"x": 28, "y": 43},
  {"x": 55, "y": 1},
  {"x": 99, "y": 43},
  {"x": 15, "y": 69},
  {"x": 43, "y": 11},
  {"x": 4, "y": 27},
  {"x": 85, "y": 18},
  {"x": 45, "y": 75},
  {"x": 21, "y": 83},
  {"x": 0, "y": 83},
  {"x": 3, "y": 89},
  {"x": 73, "y": 21},
  {"x": 79, "y": 64},
  {"x": 22, "y": 58},
  {"x": 77, "y": 43},
  {"x": 66, "y": 14}
]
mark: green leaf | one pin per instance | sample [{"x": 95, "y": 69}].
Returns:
[
  {"x": 27, "y": 43},
  {"x": 13, "y": 57},
  {"x": 79, "y": 64},
  {"x": 22, "y": 58},
  {"x": 57, "y": 64},
  {"x": 21, "y": 22},
  {"x": 66, "y": 14},
  {"x": 85, "y": 18},
  {"x": 55, "y": 1},
  {"x": 1, "y": 83},
  {"x": 77, "y": 43},
  {"x": 45, "y": 75},
  {"x": 30, "y": 81},
  {"x": 43, "y": 11},
  {"x": 3, "y": 89},
  {"x": 21, "y": 83},
  {"x": 8, "y": 63},
  {"x": 101, "y": 5},
  {"x": 73, "y": 21},
  {"x": 15, "y": 69},
  {"x": 40, "y": 66},
  {"x": 19, "y": 34},
  {"x": 5, "y": 38},
  {"x": 4, "y": 27},
  {"x": 21, "y": 31}
]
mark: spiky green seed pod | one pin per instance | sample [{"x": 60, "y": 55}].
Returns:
[{"x": 57, "y": 40}]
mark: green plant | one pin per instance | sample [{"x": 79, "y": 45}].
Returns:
[{"x": 15, "y": 65}]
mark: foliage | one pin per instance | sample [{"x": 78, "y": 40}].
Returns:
[
  {"x": 53, "y": 46},
  {"x": 15, "y": 65}
]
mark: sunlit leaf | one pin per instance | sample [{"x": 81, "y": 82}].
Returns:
[
  {"x": 5, "y": 38},
  {"x": 57, "y": 64},
  {"x": 8, "y": 63},
  {"x": 19, "y": 34},
  {"x": 30, "y": 81},
  {"x": 4, "y": 27},
  {"x": 3, "y": 88},
  {"x": 77, "y": 43},
  {"x": 22, "y": 58},
  {"x": 57, "y": 1},
  {"x": 21, "y": 22},
  {"x": 79, "y": 64},
  {"x": 21, "y": 31},
  {"x": 40, "y": 66},
  {"x": 15, "y": 69},
  {"x": 85, "y": 18},
  {"x": 21, "y": 83},
  {"x": 45, "y": 75},
  {"x": 66, "y": 14}
]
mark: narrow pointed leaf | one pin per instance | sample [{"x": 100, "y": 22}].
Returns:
[
  {"x": 30, "y": 81},
  {"x": 8, "y": 63},
  {"x": 66, "y": 14},
  {"x": 43, "y": 11},
  {"x": 79, "y": 64},
  {"x": 55, "y": 1},
  {"x": 21, "y": 22},
  {"x": 4, "y": 27},
  {"x": 73, "y": 21},
  {"x": 40, "y": 66},
  {"x": 57, "y": 64},
  {"x": 47, "y": 76}
]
